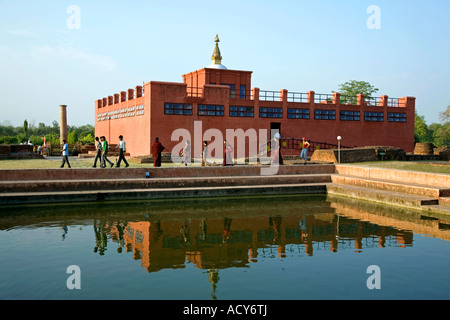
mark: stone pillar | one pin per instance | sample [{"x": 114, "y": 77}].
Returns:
[
  {"x": 63, "y": 123},
  {"x": 360, "y": 100},
  {"x": 337, "y": 98},
  {"x": 284, "y": 99},
  {"x": 255, "y": 94},
  {"x": 310, "y": 99}
]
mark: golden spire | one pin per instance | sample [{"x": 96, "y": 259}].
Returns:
[{"x": 216, "y": 56}]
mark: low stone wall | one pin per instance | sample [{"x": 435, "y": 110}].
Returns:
[
  {"x": 445, "y": 154},
  {"x": 18, "y": 151},
  {"x": 422, "y": 157},
  {"x": 359, "y": 154},
  {"x": 15, "y": 148}
]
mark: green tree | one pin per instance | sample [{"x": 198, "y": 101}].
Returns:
[
  {"x": 444, "y": 116},
  {"x": 87, "y": 139},
  {"x": 42, "y": 129},
  {"x": 441, "y": 131},
  {"x": 440, "y": 134},
  {"x": 421, "y": 131},
  {"x": 53, "y": 139},
  {"x": 6, "y": 129},
  {"x": 55, "y": 127},
  {"x": 350, "y": 89},
  {"x": 25, "y": 128},
  {"x": 8, "y": 140},
  {"x": 72, "y": 137},
  {"x": 13, "y": 135},
  {"x": 36, "y": 140}
]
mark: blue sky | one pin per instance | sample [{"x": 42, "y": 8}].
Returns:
[{"x": 298, "y": 45}]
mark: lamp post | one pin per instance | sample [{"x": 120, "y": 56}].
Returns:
[{"x": 339, "y": 148}]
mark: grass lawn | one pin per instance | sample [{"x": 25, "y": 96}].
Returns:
[
  {"x": 424, "y": 166},
  {"x": 55, "y": 162}
]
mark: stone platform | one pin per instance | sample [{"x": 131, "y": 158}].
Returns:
[
  {"x": 427, "y": 192},
  {"x": 119, "y": 184},
  {"x": 417, "y": 190}
]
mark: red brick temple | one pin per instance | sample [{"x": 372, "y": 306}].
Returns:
[{"x": 223, "y": 99}]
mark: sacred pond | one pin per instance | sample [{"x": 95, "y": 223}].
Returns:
[{"x": 271, "y": 248}]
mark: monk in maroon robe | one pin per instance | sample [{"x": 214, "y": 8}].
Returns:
[
  {"x": 157, "y": 148},
  {"x": 227, "y": 154}
]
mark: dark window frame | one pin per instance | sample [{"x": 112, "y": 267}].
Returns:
[
  {"x": 348, "y": 115},
  {"x": 178, "y": 109},
  {"x": 324, "y": 114},
  {"x": 271, "y": 113},
  {"x": 210, "y": 110},
  {"x": 241, "y": 112},
  {"x": 298, "y": 113},
  {"x": 396, "y": 117},
  {"x": 372, "y": 116},
  {"x": 242, "y": 91}
]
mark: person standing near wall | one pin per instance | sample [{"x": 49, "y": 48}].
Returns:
[
  {"x": 276, "y": 154},
  {"x": 305, "y": 146},
  {"x": 122, "y": 149},
  {"x": 65, "y": 154},
  {"x": 157, "y": 148},
  {"x": 98, "y": 155},
  {"x": 187, "y": 153},
  {"x": 227, "y": 154},
  {"x": 205, "y": 154},
  {"x": 105, "y": 149}
]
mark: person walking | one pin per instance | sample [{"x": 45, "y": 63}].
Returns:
[
  {"x": 98, "y": 155},
  {"x": 205, "y": 154},
  {"x": 157, "y": 148},
  {"x": 65, "y": 155},
  {"x": 105, "y": 149},
  {"x": 122, "y": 150},
  {"x": 187, "y": 153},
  {"x": 227, "y": 154},
  {"x": 305, "y": 146},
  {"x": 276, "y": 155}
]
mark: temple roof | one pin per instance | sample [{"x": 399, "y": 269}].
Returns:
[{"x": 216, "y": 56}]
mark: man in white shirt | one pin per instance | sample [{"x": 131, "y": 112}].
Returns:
[
  {"x": 98, "y": 155},
  {"x": 65, "y": 154},
  {"x": 121, "y": 153}
]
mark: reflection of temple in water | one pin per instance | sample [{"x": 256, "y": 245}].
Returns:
[{"x": 219, "y": 243}]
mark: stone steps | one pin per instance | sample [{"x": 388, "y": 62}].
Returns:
[
  {"x": 440, "y": 208},
  {"x": 445, "y": 201},
  {"x": 408, "y": 189},
  {"x": 153, "y": 183},
  {"x": 393, "y": 186},
  {"x": 163, "y": 193},
  {"x": 111, "y": 184},
  {"x": 381, "y": 196},
  {"x": 420, "y": 190}
]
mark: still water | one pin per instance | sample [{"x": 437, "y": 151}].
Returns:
[{"x": 271, "y": 248}]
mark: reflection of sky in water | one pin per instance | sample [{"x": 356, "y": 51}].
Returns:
[{"x": 295, "y": 249}]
